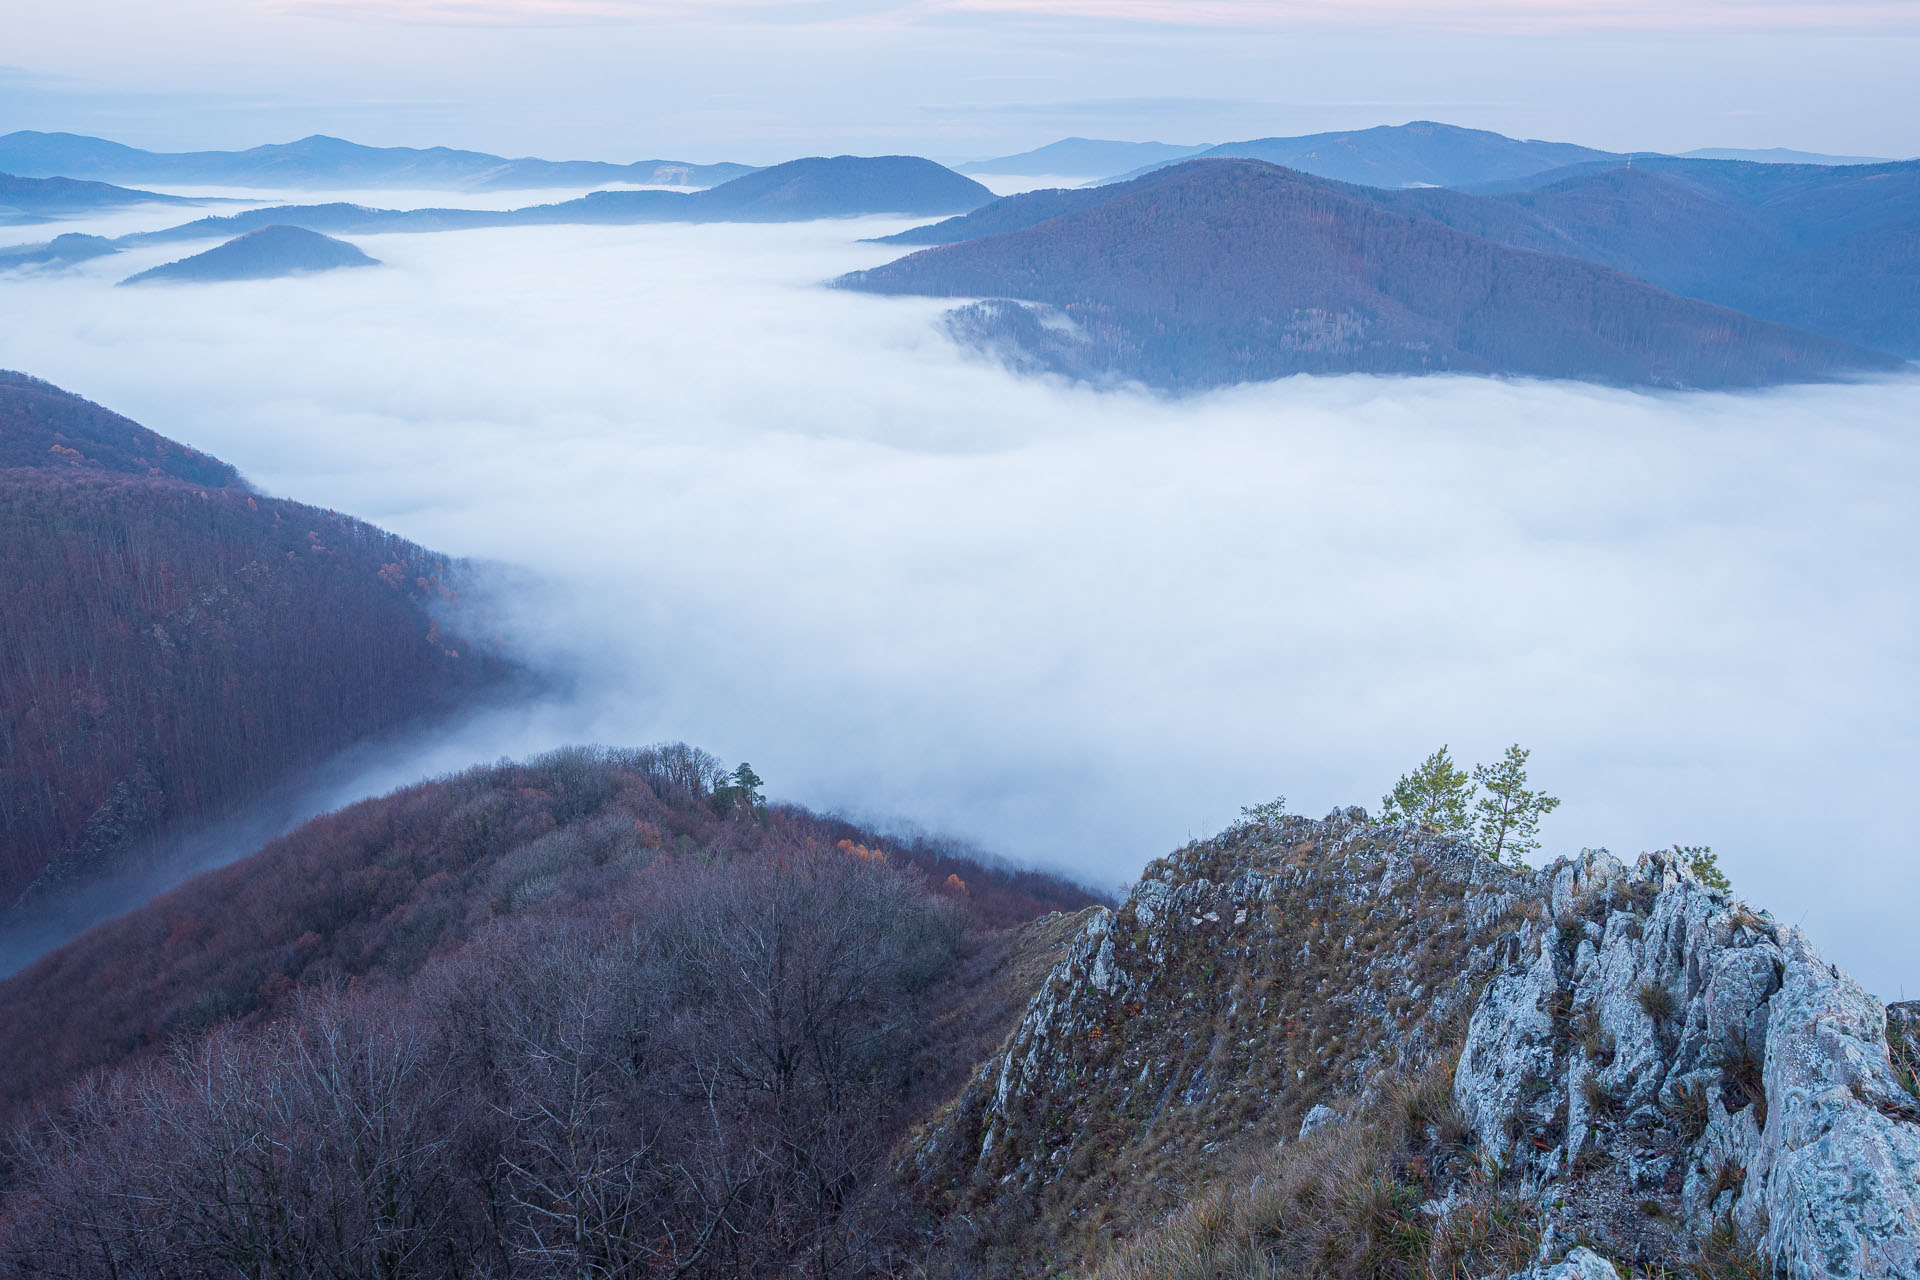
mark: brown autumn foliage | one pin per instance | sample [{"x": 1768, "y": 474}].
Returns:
[
  {"x": 176, "y": 644},
  {"x": 576, "y": 1017},
  {"x": 369, "y": 894}
]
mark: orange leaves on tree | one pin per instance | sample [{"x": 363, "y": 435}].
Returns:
[{"x": 863, "y": 853}]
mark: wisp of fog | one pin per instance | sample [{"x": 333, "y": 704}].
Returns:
[{"x": 798, "y": 526}]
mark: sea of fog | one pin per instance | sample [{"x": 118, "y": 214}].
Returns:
[{"x": 797, "y": 526}]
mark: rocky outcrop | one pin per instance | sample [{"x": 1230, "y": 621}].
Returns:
[
  {"x": 1660, "y": 1055},
  {"x": 1247, "y": 981},
  {"x": 1644, "y": 1064}
]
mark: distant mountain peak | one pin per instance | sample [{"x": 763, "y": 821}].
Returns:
[{"x": 263, "y": 254}]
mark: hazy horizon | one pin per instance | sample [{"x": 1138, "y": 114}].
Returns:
[{"x": 767, "y": 80}]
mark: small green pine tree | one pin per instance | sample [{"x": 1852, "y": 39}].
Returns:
[
  {"x": 1508, "y": 815},
  {"x": 1705, "y": 865},
  {"x": 1434, "y": 796},
  {"x": 741, "y": 789},
  {"x": 749, "y": 783}
]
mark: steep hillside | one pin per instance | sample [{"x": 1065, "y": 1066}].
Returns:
[
  {"x": 266, "y": 254},
  {"x": 1227, "y": 271},
  {"x": 602, "y": 1017},
  {"x": 1422, "y": 153},
  {"x": 1344, "y": 1050},
  {"x": 320, "y": 161},
  {"x": 370, "y": 893},
  {"x": 176, "y": 643},
  {"x": 42, "y": 426}
]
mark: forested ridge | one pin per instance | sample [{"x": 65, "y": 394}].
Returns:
[
  {"x": 176, "y": 643},
  {"x": 601, "y": 1013},
  {"x": 1216, "y": 271}
]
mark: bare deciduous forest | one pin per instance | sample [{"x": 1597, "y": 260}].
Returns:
[{"x": 584, "y": 1016}]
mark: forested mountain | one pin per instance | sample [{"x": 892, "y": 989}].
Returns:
[
  {"x": 1833, "y": 250},
  {"x": 320, "y": 161},
  {"x": 265, "y": 254},
  {"x": 177, "y": 643},
  {"x": 1083, "y": 157},
  {"x": 1221, "y": 271},
  {"x": 607, "y": 984},
  {"x": 25, "y": 200},
  {"x": 1422, "y": 153},
  {"x": 841, "y": 187}
]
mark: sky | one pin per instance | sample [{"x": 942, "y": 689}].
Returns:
[
  {"x": 800, "y": 527},
  {"x": 958, "y": 79}
]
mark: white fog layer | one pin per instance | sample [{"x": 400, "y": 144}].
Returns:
[{"x": 797, "y": 526}]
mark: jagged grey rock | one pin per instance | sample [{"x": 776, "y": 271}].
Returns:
[
  {"x": 1321, "y": 1115},
  {"x": 1648, "y": 1061},
  {"x": 1713, "y": 1057}
]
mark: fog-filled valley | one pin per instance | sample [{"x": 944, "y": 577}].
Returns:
[{"x": 716, "y": 501}]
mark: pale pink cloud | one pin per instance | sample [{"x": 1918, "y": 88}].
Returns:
[
  {"x": 1513, "y": 16},
  {"x": 1484, "y": 15},
  {"x": 573, "y": 12}
]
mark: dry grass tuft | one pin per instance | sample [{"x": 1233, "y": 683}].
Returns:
[
  {"x": 1689, "y": 1110},
  {"x": 1345, "y": 1203},
  {"x": 1657, "y": 1001},
  {"x": 1904, "y": 1052}
]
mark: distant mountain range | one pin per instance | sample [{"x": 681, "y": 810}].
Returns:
[
  {"x": 1221, "y": 271},
  {"x": 799, "y": 190},
  {"x": 1082, "y": 157},
  {"x": 265, "y": 254},
  {"x": 1777, "y": 155},
  {"x": 27, "y": 200},
  {"x": 1830, "y": 249},
  {"x": 1420, "y": 154},
  {"x": 320, "y": 161}
]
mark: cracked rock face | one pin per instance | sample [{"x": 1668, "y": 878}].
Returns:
[
  {"x": 1649, "y": 1062},
  {"x": 1655, "y": 1043}
]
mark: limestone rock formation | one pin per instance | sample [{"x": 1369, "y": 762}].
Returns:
[
  {"x": 1635, "y": 1062},
  {"x": 1659, "y": 1041}
]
